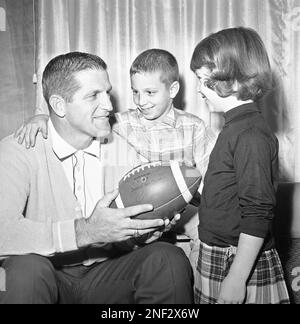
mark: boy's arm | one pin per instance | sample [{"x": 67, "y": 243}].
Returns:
[
  {"x": 38, "y": 123},
  {"x": 196, "y": 199},
  {"x": 121, "y": 124},
  {"x": 42, "y": 109},
  {"x": 29, "y": 130},
  {"x": 203, "y": 142}
]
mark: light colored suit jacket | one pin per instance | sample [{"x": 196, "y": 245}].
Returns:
[{"x": 37, "y": 206}]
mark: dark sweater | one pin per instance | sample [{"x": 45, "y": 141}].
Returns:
[{"x": 239, "y": 186}]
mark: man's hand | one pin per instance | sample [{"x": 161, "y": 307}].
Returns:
[
  {"x": 107, "y": 225},
  {"x": 29, "y": 130},
  {"x": 151, "y": 237}
]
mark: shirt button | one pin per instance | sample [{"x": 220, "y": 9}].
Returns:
[
  {"x": 77, "y": 208},
  {"x": 79, "y": 188}
]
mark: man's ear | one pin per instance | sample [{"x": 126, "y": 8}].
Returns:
[
  {"x": 174, "y": 88},
  {"x": 58, "y": 105}
]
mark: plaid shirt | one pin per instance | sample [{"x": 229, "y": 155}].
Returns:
[{"x": 178, "y": 136}]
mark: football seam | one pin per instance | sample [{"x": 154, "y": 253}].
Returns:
[{"x": 161, "y": 206}]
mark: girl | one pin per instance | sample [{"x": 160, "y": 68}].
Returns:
[{"x": 237, "y": 260}]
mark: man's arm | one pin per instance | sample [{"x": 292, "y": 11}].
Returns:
[
  {"x": 19, "y": 235},
  {"x": 110, "y": 225},
  {"x": 204, "y": 141}
]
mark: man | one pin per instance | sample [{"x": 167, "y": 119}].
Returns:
[{"x": 58, "y": 241}]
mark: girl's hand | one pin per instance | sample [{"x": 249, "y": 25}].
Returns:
[{"x": 233, "y": 291}]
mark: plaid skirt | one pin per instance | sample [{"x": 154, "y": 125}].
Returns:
[{"x": 266, "y": 284}]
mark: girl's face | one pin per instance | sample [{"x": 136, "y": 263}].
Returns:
[{"x": 214, "y": 101}]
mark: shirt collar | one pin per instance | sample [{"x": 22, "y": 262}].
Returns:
[
  {"x": 169, "y": 119},
  {"x": 63, "y": 150},
  {"x": 240, "y": 111}
]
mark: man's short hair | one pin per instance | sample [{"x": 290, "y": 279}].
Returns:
[
  {"x": 58, "y": 76},
  {"x": 235, "y": 55},
  {"x": 157, "y": 60}
]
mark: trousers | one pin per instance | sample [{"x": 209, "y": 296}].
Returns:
[{"x": 158, "y": 273}]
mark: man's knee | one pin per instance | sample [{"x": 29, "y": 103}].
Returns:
[
  {"x": 29, "y": 279},
  {"x": 170, "y": 255},
  {"x": 167, "y": 270}
]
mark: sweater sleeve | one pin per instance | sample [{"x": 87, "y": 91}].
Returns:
[
  {"x": 19, "y": 234},
  {"x": 255, "y": 159}
]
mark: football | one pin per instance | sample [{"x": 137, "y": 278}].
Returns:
[{"x": 169, "y": 187}]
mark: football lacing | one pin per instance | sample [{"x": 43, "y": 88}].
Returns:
[{"x": 142, "y": 168}]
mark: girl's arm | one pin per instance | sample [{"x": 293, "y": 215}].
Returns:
[
  {"x": 255, "y": 162},
  {"x": 233, "y": 288}
]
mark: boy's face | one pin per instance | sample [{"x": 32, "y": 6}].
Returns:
[
  {"x": 152, "y": 97},
  {"x": 214, "y": 101}
]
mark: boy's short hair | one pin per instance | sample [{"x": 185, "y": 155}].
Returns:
[
  {"x": 235, "y": 55},
  {"x": 157, "y": 60},
  {"x": 58, "y": 76}
]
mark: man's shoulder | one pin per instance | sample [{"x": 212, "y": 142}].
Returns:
[
  {"x": 9, "y": 143},
  {"x": 10, "y": 146},
  {"x": 13, "y": 155}
]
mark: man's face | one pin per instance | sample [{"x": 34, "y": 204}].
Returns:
[
  {"x": 151, "y": 95},
  {"x": 88, "y": 112}
]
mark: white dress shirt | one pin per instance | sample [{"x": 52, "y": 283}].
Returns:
[{"x": 83, "y": 169}]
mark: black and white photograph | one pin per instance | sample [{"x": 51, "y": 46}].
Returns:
[{"x": 149, "y": 154}]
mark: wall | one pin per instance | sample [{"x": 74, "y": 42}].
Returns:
[{"x": 17, "y": 99}]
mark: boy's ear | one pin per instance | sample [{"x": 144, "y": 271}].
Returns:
[
  {"x": 174, "y": 88},
  {"x": 58, "y": 105}
]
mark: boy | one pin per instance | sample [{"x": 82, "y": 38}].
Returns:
[
  {"x": 237, "y": 260},
  {"x": 156, "y": 129}
]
